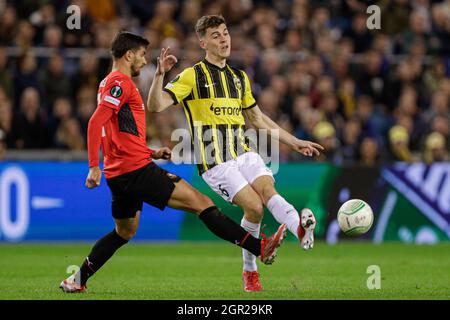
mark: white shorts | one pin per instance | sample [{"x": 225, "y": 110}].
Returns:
[{"x": 228, "y": 178}]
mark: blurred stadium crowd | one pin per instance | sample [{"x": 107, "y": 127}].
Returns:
[{"x": 368, "y": 96}]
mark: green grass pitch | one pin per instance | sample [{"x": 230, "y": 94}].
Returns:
[{"x": 193, "y": 270}]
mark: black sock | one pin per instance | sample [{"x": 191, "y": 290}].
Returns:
[
  {"x": 100, "y": 253},
  {"x": 225, "y": 228}
]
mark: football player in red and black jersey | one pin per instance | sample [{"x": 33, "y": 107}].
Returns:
[{"x": 118, "y": 127}]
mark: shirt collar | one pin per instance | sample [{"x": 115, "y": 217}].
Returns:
[{"x": 213, "y": 66}]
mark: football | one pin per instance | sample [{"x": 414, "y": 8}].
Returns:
[{"x": 355, "y": 217}]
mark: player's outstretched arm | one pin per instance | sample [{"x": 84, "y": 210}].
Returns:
[
  {"x": 94, "y": 138},
  {"x": 260, "y": 121},
  {"x": 159, "y": 100}
]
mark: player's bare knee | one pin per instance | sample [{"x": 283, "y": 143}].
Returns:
[
  {"x": 206, "y": 202},
  {"x": 126, "y": 233},
  {"x": 201, "y": 202},
  {"x": 267, "y": 192},
  {"x": 255, "y": 209}
]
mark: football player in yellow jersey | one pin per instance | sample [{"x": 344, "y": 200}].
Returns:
[{"x": 214, "y": 96}]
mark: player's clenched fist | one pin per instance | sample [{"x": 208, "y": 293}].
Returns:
[
  {"x": 163, "y": 153},
  {"x": 93, "y": 178}
]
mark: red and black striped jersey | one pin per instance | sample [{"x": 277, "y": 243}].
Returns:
[{"x": 124, "y": 135}]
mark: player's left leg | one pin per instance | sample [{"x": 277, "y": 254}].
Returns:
[
  {"x": 186, "y": 197},
  {"x": 300, "y": 225},
  {"x": 261, "y": 179},
  {"x": 161, "y": 188}
]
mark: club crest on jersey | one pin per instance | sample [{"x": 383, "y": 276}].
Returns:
[
  {"x": 237, "y": 83},
  {"x": 116, "y": 91}
]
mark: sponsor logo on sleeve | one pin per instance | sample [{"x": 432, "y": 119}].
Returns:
[
  {"x": 112, "y": 100},
  {"x": 170, "y": 84},
  {"x": 116, "y": 91}
]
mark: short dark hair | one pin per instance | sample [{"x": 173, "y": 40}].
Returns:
[
  {"x": 206, "y": 22},
  {"x": 125, "y": 41}
]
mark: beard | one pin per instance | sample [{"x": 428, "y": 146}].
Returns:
[{"x": 135, "y": 70}]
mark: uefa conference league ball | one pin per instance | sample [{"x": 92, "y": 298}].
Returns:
[{"x": 355, "y": 217}]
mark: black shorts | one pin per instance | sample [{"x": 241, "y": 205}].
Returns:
[{"x": 150, "y": 184}]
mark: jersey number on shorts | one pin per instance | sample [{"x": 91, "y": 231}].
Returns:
[{"x": 224, "y": 192}]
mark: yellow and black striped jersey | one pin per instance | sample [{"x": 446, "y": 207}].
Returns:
[{"x": 213, "y": 99}]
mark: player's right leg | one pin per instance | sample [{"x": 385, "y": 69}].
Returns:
[
  {"x": 228, "y": 182},
  {"x": 100, "y": 253},
  {"x": 253, "y": 208},
  {"x": 126, "y": 210}
]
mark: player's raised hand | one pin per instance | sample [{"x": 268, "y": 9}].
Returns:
[
  {"x": 165, "y": 61},
  {"x": 163, "y": 153},
  {"x": 93, "y": 178},
  {"x": 307, "y": 148}
]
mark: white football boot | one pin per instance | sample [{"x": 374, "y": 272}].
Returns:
[{"x": 306, "y": 228}]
